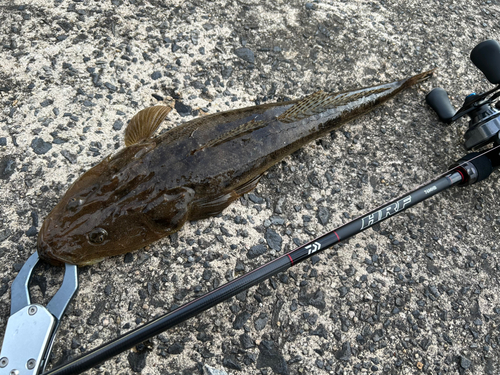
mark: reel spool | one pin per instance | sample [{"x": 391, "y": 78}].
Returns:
[{"x": 484, "y": 114}]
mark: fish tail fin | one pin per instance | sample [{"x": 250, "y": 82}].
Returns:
[{"x": 421, "y": 77}]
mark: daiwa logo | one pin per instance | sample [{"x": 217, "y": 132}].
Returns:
[{"x": 312, "y": 248}]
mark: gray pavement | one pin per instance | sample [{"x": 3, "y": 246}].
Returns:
[{"x": 417, "y": 294}]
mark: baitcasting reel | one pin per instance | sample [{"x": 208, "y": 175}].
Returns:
[{"x": 484, "y": 124}]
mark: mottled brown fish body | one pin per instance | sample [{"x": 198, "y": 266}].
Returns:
[{"x": 149, "y": 189}]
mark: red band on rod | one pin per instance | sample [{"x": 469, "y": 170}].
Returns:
[
  {"x": 338, "y": 238},
  {"x": 291, "y": 260}
]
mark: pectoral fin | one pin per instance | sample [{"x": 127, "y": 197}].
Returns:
[
  {"x": 145, "y": 122},
  {"x": 170, "y": 210},
  {"x": 213, "y": 205}
]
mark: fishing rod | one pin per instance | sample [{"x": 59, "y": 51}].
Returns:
[
  {"x": 465, "y": 173},
  {"x": 484, "y": 129}
]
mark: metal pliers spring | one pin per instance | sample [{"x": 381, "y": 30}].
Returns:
[{"x": 31, "y": 328}]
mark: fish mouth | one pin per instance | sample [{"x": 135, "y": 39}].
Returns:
[{"x": 45, "y": 251}]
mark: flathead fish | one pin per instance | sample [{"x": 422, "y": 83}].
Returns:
[{"x": 151, "y": 187}]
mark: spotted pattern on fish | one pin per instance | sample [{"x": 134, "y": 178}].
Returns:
[{"x": 321, "y": 101}]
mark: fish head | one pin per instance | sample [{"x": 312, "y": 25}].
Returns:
[
  {"x": 76, "y": 223},
  {"x": 114, "y": 208}
]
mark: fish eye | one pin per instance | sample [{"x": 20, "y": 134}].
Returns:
[{"x": 97, "y": 236}]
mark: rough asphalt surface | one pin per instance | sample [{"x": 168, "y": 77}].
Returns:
[{"x": 416, "y": 294}]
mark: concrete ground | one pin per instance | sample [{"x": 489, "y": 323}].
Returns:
[{"x": 419, "y": 293}]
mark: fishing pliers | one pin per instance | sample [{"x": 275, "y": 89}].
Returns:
[{"x": 31, "y": 327}]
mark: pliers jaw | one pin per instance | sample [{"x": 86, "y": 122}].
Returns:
[{"x": 31, "y": 328}]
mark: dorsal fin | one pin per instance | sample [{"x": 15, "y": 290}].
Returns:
[
  {"x": 145, "y": 123},
  {"x": 321, "y": 101},
  {"x": 240, "y": 130}
]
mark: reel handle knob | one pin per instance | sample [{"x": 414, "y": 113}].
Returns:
[
  {"x": 486, "y": 57},
  {"x": 440, "y": 103}
]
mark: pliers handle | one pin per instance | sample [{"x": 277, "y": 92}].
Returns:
[{"x": 31, "y": 328}]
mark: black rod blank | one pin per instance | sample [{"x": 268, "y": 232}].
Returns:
[{"x": 226, "y": 291}]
